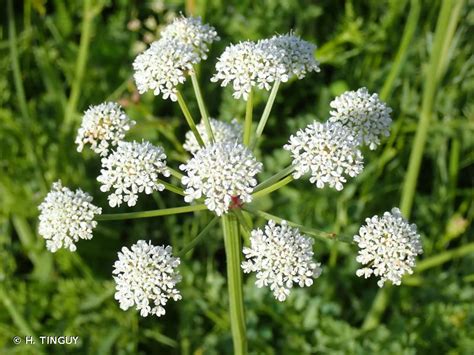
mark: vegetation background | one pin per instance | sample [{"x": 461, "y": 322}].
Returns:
[{"x": 58, "y": 57}]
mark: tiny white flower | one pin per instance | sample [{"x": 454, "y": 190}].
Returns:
[
  {"x": 191, "y": 30},
  {"x": 388, "y": 246},
  {"x": 103, "y": 126},
  {"x": 131, "y": 169},
  {"x": 221, "y": 173},
  {"x": 65, "y": 217},
  {"x": 222, "y": 131},
  {"x": 328, "y": 152},
  {"x": 163, "y": 66},
  {"x": 281, "y": 257},
  {"x": 364, "y": 114},
  {"x": 146, "y": 277}
]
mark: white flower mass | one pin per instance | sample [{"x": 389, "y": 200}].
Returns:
[
  {"x": 388, "y": 246},
  {"x": 259, "y": 64},
  {"x": 220, "y": 172},
  {"x": 65, "y": 217},
  {"x": 326, "y": 150},
  {"x": 131, "y": 169},
  {"x": 146, "y": 277},
  {"x": 222, "y": 131},
  {"x": 163, "y": 66},
  {"x": 281, "y": 257},
  {"x": 364, "y": 114},
  {"x": 191, "y": 30},
  {"x": 103, "y": 126}
]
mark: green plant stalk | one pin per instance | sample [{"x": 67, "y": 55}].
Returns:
[
  {"x": 266, "y": 112},
  {"x": 189, "y": 118},
  {"x": 274, "y": 187},
  {"x": 275, "y": 178},
  {"x": 311, "y": 231},
  {"x": 175, "y": 173},
  {"x": 197, "y": 239},
  {"x": 17, "y": 318},
  {"x": 408, "y": 33},
  {"x": 84, "y": 44},
  {"x": 202, "y": 107},
  {"x": 248, "y": 119},
  {"x": 411, "y": 177},
  {"x": 383, "y": 295},
  {"x": 171, "y": 187},
  {"x": 147, "y": 214},
  {"x": 232, "y": 243},
  {"x": 20, "y": 92}
]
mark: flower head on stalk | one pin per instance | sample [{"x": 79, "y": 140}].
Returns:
[
  {"x": 364, "y": 114},
  {"x": 163, "y": 66},
  {"x": 327, "y": 151},
  {"x": 222, "y": 131},
  {"x": 103, "y": 126},
  {"x": 65, "y": 217},
  {"x": 191, "y": 30},
  {"x": 220, "y": 172},
  {"x": 146, "y": 277},
  {"x": 295, "y": 54},
  {"x": 131, "y": 169},
  {"x": 388, "y": 246},
  {"x": 259, "y": 64},
  {"x": 281, "y": 258}
]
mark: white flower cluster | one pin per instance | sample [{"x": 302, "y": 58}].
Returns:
[
  {"x": 131, "y": 169},
  {"x": 146, "y": 276},
  {"x": 297, "y": 55},
  {"x": 222, "y": 131},
  {"x": 65, "y": 217},
  {"x": 364, "y": 114},
  {"x": 164, "y": 66},
  {"x": 326, "y": 150},
  {"x": 259, "y": 64},
  {"x": 103, "y": 126},
  {"x": 191, "y": 30},
  {"x": 388, "y": 247},
  {"x": 221, "y": 172},
  {"x": 281, "y": 257}
]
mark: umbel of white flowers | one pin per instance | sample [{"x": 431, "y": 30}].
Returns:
[
  {"x": 103, "y": 126},
  {"x": 66, "y": 217},
  {"x": 281, "y": 257},
  {"x": 388, "y": 247},
  {"x": 146, "y": 277},
  {"x": 220, "y": 172}
]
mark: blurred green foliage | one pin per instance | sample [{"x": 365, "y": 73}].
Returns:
[{"x": 72, "y": 293}]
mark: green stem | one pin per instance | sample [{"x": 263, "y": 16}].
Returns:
[
  {"x": 86, "y": 32},
  {"x": 266, "y": 112},
  {"x": 408, "y": 33},
  {"x": 202, "y": 107},
  {"x": 248, "y": 119},
  {"x": 232, "y": 243},
  {"x": 273, "y": 179},
  {"x": 436, "y": 59},
  {"x": 189, "y": 118},
  {"x": 147, "y": 214},
  {"x": 273, "y": 187},
  {"x": 175, "y": 173},
  {"x": 311, "y": 231},
  {"x": 197, "y": 239},
  {"x": 171, "y": 187},
  {"x": 444, "y": 257}
]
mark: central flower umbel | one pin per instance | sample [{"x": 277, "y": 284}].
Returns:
[{"x": 224, "y": 173}]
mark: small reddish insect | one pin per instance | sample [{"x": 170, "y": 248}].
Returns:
[{"x": 236, "y": 203}]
